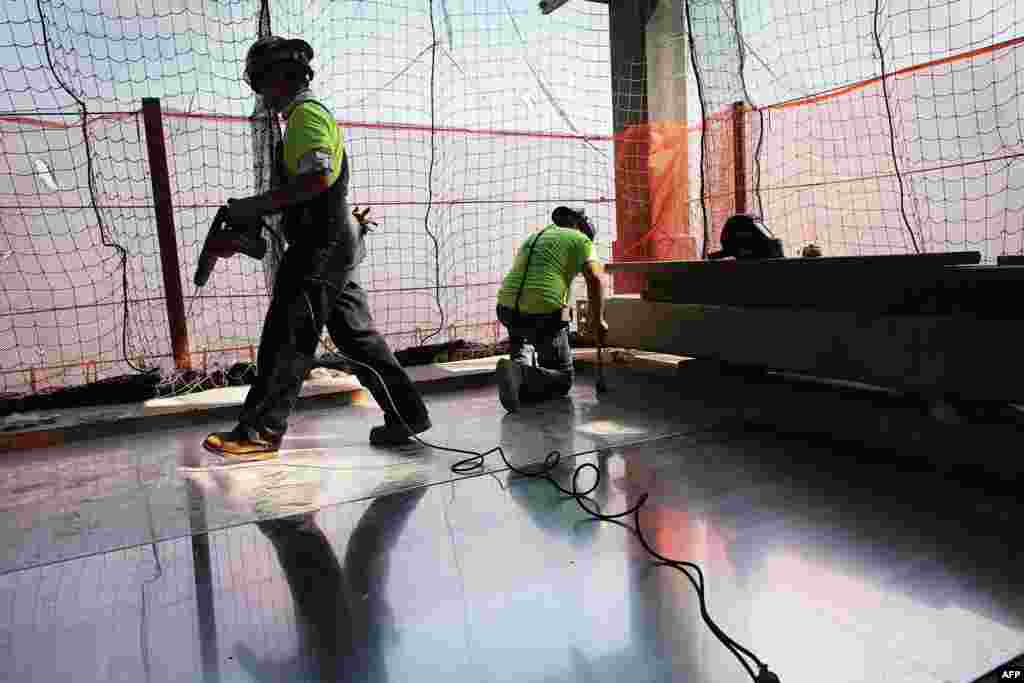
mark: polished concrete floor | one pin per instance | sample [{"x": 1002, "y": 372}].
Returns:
[{"x": 130, "y": 558}]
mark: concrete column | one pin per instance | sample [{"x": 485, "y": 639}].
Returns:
[
  {"x": 649, "y": 104},
  {"x": 627, "y": 28},
  {"x": 668, "y": 168}
]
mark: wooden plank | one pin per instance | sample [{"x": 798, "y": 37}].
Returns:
[
  {"x": 235, "y": 396},
  {"x": 946, "y": 259},
  {"x": 974, "y": 359}
]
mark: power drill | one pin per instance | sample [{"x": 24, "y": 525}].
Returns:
[{"x": 225, "y": 240}]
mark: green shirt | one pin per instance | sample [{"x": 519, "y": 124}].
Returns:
[
  {"x": 312, "y": 140},
  {"x": 557, "y": 259}
]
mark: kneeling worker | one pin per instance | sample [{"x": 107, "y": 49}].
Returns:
[{"x": 532, "y": 303}]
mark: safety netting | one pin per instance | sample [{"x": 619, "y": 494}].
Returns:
[
  {"x": 465, "y": 123},
  {"x": 861, "y": 126}
]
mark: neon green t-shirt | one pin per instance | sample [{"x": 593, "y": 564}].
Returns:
[
  {"x": 311, "y": 128},
  {"x": 557, "y": 259}
]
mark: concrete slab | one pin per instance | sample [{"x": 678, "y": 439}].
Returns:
[
  {"x": 344, "y": 562},
  {"x": 938, "y": 355}
]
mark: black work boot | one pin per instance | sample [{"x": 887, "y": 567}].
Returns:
[
  {"x": 510, "y": 382},
  {"x": 394, "y": 433}
]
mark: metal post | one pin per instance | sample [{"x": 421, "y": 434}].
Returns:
[
  {"x": 160, "y": 177},
  {"x": 739, "y": 142}
]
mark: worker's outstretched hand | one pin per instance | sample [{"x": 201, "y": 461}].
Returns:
[{"x": 361, "y": 217}]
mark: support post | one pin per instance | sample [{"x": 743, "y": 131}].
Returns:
[
  {"x": 160, "y": 177},
  {"x": 627, "y": 22},
  {"x": 668, "y": 161},
  {"x": 739, "y": 142}
]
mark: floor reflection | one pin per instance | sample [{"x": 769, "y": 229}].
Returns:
[
  {"x": 546, "y": 506},
  {"x": 422, "y": 575},
  {"x": 344, "y": 621}
]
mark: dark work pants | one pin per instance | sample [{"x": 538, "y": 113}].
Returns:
[
  {"x": 552, "y": 372},
  {"x": 289, "y": 340}
]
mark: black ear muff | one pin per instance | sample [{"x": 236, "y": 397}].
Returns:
[{"x": 587, "y": 227}]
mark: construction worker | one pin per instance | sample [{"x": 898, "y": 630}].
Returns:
[
  {"x": 316, "y": 283},
  {"x": 533, "y": 306}
]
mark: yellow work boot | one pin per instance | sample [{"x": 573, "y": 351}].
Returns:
[{"x": 243, "y": 444}]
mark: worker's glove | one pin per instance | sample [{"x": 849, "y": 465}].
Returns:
[{"x": 364, "y": 222}]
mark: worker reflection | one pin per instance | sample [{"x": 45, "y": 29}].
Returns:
[
  {"x": 327, "y": 623},
  {"x": 344, "y": 621},
  {"x": 549, "y": 509}
]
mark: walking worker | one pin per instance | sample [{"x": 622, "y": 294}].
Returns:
[
  {"x": 533, "y": 307},
  {"x": 316, "y": 283}
]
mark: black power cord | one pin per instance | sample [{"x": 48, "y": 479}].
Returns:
[
  {"x": 430, "y": 176},
  {"x": 876, "y": 33},
  {"x": 703, "y": 129},
  {"x": 476, "y": 462}
]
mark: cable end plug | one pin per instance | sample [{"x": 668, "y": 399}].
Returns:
[{"x": 766, "y": 676}]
